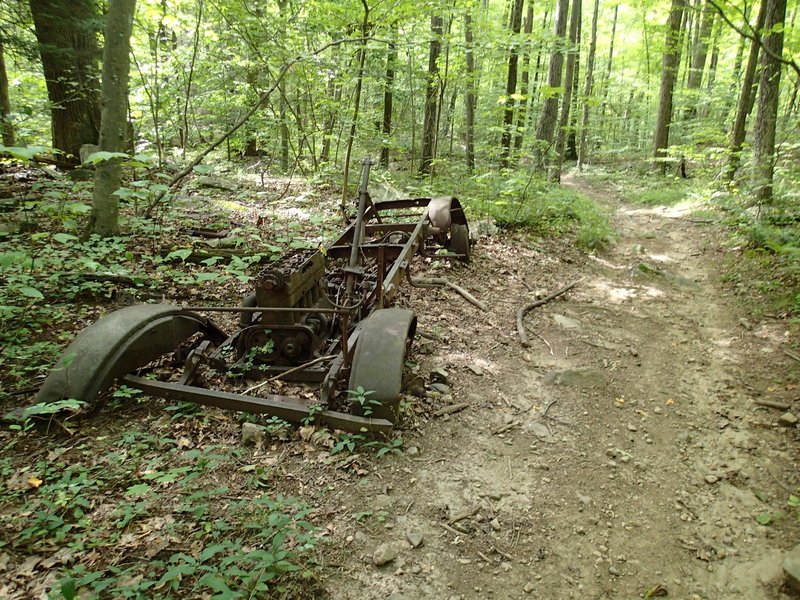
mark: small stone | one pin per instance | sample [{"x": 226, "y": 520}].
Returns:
[
  {"x": 475, "y": 369},
  {"x": 252, "y": 434},
  {"x": 614, "y": 571},
  {"x": 632, "y": 427},
  {"x": 791, "y": 567},
  {"x": 385, "y": 553},
  {"x": 412, "y": 451},
  {"x": 711, "y": 479},
  {"x": 426, "y": 347},
  {"x": 625, "y": 459},
  {"x": 397, "y": 596},
  {"x": 788, "y": 419},
  {"x": 579, "y": 378},
  {"x": 566, "y": 322},
  {"x": 540, "y": 430},
  {"x": 439, "y": 375},
  {"x": 529, "y": 587},
  {"x": 441, "y": 388},
  {"x": 415, "y": 538},
  {"x": 657, "y": 410},
  {"x": 495, "y": 523}
]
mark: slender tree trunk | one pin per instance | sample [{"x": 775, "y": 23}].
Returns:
[
  {"x": 6, "y": 126},
  {"x": 746, "y": 99},
  {"x": 566, "y": 104},
  {"x": 511, "y": 83},
  {"x": 187, "y": 99},
  {"x": 669, "y": 74},
  {"x": 388, "y": 100},
  {"x": 431, "y": 96},
  {"x": 522, "y": 113},
  {"x": 103, "y": 220},
  {"x": 768, "y": 97},
  {"x": 67, "y": 36},
  {"x": 283, "y": 106},
  {"x": 470, "y": 97},
  {"x": 334, "y": 95},
  {"x": 699, "y": 55},
  {"x": 545, "y": 129},
  {"x": 588, "y": 87},
  {"x": 609, "y": 62},
  {"x": 362, "y": 58}
]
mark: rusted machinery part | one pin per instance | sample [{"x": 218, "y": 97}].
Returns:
[
  {"x": 117, "y": 344},
  {"x": 378, "y": 361},
  {"x": 447, "y": 215},
  {"x": 283, "y": 407}
]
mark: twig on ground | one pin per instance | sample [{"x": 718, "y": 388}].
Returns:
[
  {"x": 791, "y": 354},
  {"x": 310, "y": 363},
  {"x": 773, "y": 404},
  {"x": 450, "y": 409},
  {"x": 523, "y": 336},
  {"x": 442, "y": 282}
]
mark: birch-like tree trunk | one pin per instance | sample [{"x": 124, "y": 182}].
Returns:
[{"x": 431, "y": 95}]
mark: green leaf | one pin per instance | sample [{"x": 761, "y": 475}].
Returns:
[
  {"x": 207, "y": 277},
  {"x": 68, "y": 589},
  {"x": 23, "y": 153},
  {"x": 183, "y": 254},
  {"x": 137, "y": 490},
  {"x": 764, "y": 518},
  {"x": 102, "y": 155},
  {"x": 31, "y": 292},
  {"x": 216, "y": 584},
  {"x": 760, "y": 495},
  {"x": 64, "y": 237}
]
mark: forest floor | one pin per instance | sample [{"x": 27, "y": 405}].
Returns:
[{"x": 621, "y": 455}]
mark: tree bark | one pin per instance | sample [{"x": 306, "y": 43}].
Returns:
[
  {"x": 699, "y": 55},
  {"x": 103, "y": 219},
  {"x": 746, "y": 99},
  {"x": 6, "y": 126},
  {"x": 588, "y": 87},
  {"x": 67, "y": 39},
  {"x": 566, "y": 103},
  {"x": 431, "y": 96},
  {"x": 522, "y": 113},
  {"x": 669, "y": 73},
  {"x": 768, "y": 96},
  {"x": 388, "y": 101},
  {"x": 511, "y": 83},
  {"x": 549, "y": 115},
  {"x": 470, "y": 96},
  {"x": 362, "y": 59}
]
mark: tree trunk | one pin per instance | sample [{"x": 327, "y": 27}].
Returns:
[
  {"x": 525, "y": 85},
  {"x": 511, "y": 83},
  {"x": 6, "y": 126},
  {"x": 362, "y": 58},
  {"x": 768, "y": 96},
  {"x": 388, "y": 100},
  {"x": 334, "y": 94},
  {"x": 549, "y": 115},
  {"x": 669, "y": 74},
  {"x": 67, "y": 39},
  {"x": 699, "y": 54},
  {"x": 566, "y": 104},
  {"x": 431, "y": 96},
  {"x": 470, "y": 97},
  {"x": 588, "y": 87},
  {"x": 103, "y": 219},
  {"x": 746, "y": 99}
]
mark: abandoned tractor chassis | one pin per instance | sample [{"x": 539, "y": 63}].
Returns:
[{"x": 318, "y": 317}]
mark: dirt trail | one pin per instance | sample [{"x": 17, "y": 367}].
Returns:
[{"x": 617, "y": 457}]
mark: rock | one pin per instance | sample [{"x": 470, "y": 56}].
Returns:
[
  {"x": 426, "y": 347},
  {"x": 788, "y": 419},
  {"x": 439, "y": 375},
  {"x": 217, "y": 182},
  {"x": 580, "y": 377},
  {"x": 791, "y": 567},
  {"x": 566, "y": 322},
  {"x": 711, "y": 479},
  {"x": 475, "y": 369},
  {"x": 385, "y": 553},
  {"x": 253, "y": 434},
  {"x": 440, "y": 388},
  {"x": 529, "y": 587},
  {"x": 415, "y": 538},
  {"x": 538, "y": 429},
  {"x": 412, "y": 451},
  {"x": 495, "y": 523},
  {"x": 614, "y": 571}
]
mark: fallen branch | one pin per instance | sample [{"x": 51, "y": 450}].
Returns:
[
  {"x": 290, "y": 371},
  {"x": 442, "y": 282},
  {"x": 450, "y": 409},
  {"x": 523, "y": 336},
  {"x": 791, "y": 355},
  {"x": 773, "y": 404}
]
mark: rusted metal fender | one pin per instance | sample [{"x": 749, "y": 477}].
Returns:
[
  {"x": 447, "y": 215},
  {"x": 117, "y": 344},
  {"x": 379, "y": 358}
]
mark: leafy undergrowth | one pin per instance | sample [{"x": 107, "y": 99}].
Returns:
[{"x": 127, "y": 500}]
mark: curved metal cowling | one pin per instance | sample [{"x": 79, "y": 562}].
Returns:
[{"x": 118, "y": 343}]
